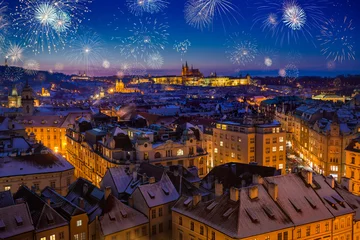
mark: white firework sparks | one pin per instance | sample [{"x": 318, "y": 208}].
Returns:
[
  {"x": 201, "y": 13},
  {"x": 149, "y": 36},
  {"x": 288, "y": 20},
  {"x": 337, "y": 40},
  {"x": 131, "y": 69},
  {"x": 266, "y": 58},
  {"x": 155, "y": 61},
  {"x": 241, "y": 48},
  {"x": 13, "y": 74},
  {"x": 86, "y": 49},
  {"x": 4, "y": 23},
  {"x": 106, "y": 64},
  {"x": 290, "y": 73},
  {"x": 139, "y": 7},
  {"x": 294, "y": 16},
  {"x": 31, "y": 67},
  {"x": 182, "y": 47},
  {"x": 45, "y": 24},
  {"x": 14, "y": 53}
]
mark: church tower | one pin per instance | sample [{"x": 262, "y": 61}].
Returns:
[
  {"x": 27, "y": 100},
  {"x": 14, "y": 100}
]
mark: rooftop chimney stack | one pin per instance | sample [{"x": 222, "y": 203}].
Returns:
[
  {"x": 273, "y": 191},
  {"x": 254, "y": 192},
  {"x": 81, "y": 203},
  {"x": 257, "y": 179},
  {"x": 131, "y": 201},
  {"x": 234, "y": 194},
  {"x": 107, "y": 192},
  {"x": 218, "y": 189},
  {"x": 331, "y": 181},
  {"x": 196, "y": 199},
  {"x": 307, "y": 175},
  {"x": 151, "y": 179}
]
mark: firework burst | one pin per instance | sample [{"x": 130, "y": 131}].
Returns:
[
  {"x": 290, "y": 73},
  {"x": 14, "y": 53},
  {"x": 337, "y": 41},
  {"x": 266, "y": 58},
  {"x": 149, "y": 36},
  {"x": 86, "y": 49},
  {"x": 13, "y": 74},
  {"x": 288, "y": 20},
  {"x": 31, "y": 67},
  {"x": 294, "y": 16},
  {"x": 155, "y": 61},
  {"x": 131, "y": 69},
  {"x": 182, "y": 47},
  {"x": 139, "y": 7},
  {"x": 241, "y": 48},
  {"x": 44, "y": 25},
  {"x": 202, "y": 13}
]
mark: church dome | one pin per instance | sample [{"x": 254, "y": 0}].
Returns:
[{"x": 14, "y": 92}]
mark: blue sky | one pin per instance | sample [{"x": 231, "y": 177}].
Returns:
[{"x": 111, "y": 20}]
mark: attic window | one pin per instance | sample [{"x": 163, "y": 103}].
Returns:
[
  {"x": 151, "y": 194},
  {"x": 211, "y": 206},
  {"x": 268, "y": 212},
  {"x": 252, "y": 216},
  {"x": 19, "y": 220},
  {"x": 311, "y": 202},
  {"x": 2, "y": 224},
  {"x": 331, "y": 201},
  {"x": 111, "y": 216},
  {"x": 135, "y": 183},
  {"x": 43, "y": 121},
  {"x": 166, "y": 190},
  {"x": 296, "y": 207},
  {"x": 188, "y": 201},
  {"x": 49, "y": 218},
  {"x": 56, "y": 122},
  {"x": 123, "y": 213},
  {"x": 228, "y": 212},
  {"x": 338, "y": 200}
]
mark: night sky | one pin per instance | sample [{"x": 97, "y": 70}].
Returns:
[{"x": 210, "y": 47}]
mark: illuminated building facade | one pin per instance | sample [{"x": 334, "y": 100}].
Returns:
[
  {"x": 14, "y": 100},
  {"x": 263, "y": 143},
  {"x": 193, "y": 77},
  {"x": 120, "y": 88}
]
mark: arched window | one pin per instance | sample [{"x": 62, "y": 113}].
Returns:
[{"x": 157, "y": 155}]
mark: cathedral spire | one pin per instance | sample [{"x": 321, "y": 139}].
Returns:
[{"x": 186, "y": 65}]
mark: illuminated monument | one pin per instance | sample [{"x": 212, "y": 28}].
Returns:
[{"x": 193, "y": 77}]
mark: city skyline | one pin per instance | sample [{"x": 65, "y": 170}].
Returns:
[{"x": 235, "y": 38}]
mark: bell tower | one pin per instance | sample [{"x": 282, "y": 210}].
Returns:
[{"x": 27, "y": 100}]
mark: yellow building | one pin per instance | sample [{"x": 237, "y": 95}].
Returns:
[
  {"x": 44, "y": 92},
  {"x": 293, "y": 206},
  {"x": 352, "y": 165},
  {"x": 329, "y": 97},
  {"x": 50, "y": 130},
  {"x": 120, "y": 88},
  {"x": 264, "y": 144}
]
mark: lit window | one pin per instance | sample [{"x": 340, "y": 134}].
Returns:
[
  {"x": 180, "y": 152},
  {"x": 7, "y": 188},
  {"x": 239, "y": 139},
  {"x": 281, "y": 139},
  {"x": 215, "y": 150},
  {"x": 52, "y": 237},
  {"x": 281, "y": 166},
  {"x": 223, "y": 127},
  {"x": 78, "y": 223},
  {"x": 281, "y": 148},
  {"x": 233, "y": 155},
  {"x": 43, "y": 238},
  {"x": 274, "y": 149},
  {"x": 221, "y": 143}
]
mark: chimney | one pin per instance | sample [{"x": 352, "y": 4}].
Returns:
[
  {"x": 135, "y": 175},
  {"x": 254, "y": 192},
  {"x": 331, "y": 181},
  {"x": 347, "y": 183},
  {"x": 144, "y": 177},
  {"x": 218, "y": 189},
  {"x": 81, "y": 203},
  {"x": 307, "y": 175},
  {"x": 132, "y": 167},
  {"x": 273, "y": 191},
  {"x": 196, "y": 199},
  {"x": 257, "y": 179},
  {"x": 151, "y": 179},
  {"x": 48, "y": 201},
  {"x": 107, "y": 192},
  {"x": 85, "y": 188},
  {"x": 234, "y": 194},
  {"x": 131, "y": 201}
]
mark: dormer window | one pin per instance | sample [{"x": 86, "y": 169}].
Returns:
[{"x": 43, "y": 121}]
